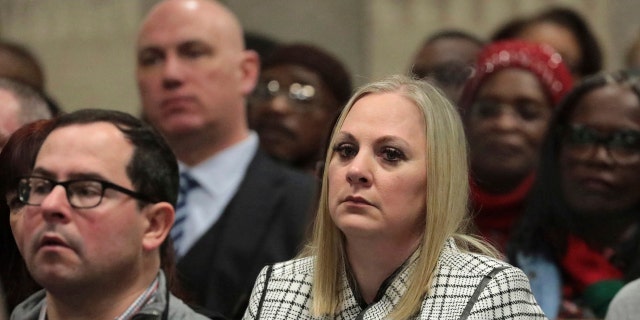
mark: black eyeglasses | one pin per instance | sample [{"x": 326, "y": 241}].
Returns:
[
  {"x": 623, "y": 145},
  {"x": 81, "y": 193},
  {"x": 299, "y": 94}
]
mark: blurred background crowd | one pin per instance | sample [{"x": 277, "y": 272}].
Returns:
[
  {"x": 86, "y": 47},
  {"x": 548, "y": 93}
]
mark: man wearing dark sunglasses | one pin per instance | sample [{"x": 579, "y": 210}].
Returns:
[{"x": 92, "y": 220}]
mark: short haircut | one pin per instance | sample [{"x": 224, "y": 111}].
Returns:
[
  {"x": 260, "y": 43},
  {"x": 446, "y": 74},
  {"x": 31, "y": 71},
  {"x": 453, "y": 34},
  {"x": 153, "y": 168},
  {"x": 33, "y": 105},
  {"x": 329, "y": 68}
]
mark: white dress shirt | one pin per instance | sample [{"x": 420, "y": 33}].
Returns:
[{"x": 218, "y": 180}]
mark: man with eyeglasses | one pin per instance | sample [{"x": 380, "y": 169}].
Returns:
[
  {"x": 446, "y": 59},
  {"x": 92, "y": 220},
  {"x": 238, "y": 210},
  {"x": 300, "y": 91}
]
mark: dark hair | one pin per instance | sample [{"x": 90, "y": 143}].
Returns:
[
  {"x": 52, "y": 104},
  {"x": 28, "y": 60},
  {"x": 32, "y": 76},
  {"x": 591, "y": 60},
  {"x": 508, "y": 30},
  {"x": 16, "y": 160},
  {"x": 547, "y": 215},
  {"x": 33, "y": 104},
  {"x": 330, "y": 70},
  {"x": 450, "y": 74},
  {"x": 453, "y": 34},
  {"x": 153, "y": 168},
  {"x": 260, "y": 43}
]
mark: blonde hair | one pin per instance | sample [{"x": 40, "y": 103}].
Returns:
[{"x": 446, "y": 200}]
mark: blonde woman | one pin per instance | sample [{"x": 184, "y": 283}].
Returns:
[{"x": 388, "y": 240}]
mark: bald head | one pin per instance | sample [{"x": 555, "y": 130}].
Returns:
[
  {"x": 184, "y": 12},
  {"x": 19, "y": 105},
  {"x": 194, "y": 75}
]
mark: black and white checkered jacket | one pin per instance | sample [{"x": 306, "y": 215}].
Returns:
[{"x": 504, "y": 293}]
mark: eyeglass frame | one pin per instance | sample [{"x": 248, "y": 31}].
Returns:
[
  {"x": 596, "y": 139},
  {"x": 264, "y": 92},
  {"x": 25, "y": 181}
]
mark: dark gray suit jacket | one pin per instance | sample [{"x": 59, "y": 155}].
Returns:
[{"x": 265, "y": 222}]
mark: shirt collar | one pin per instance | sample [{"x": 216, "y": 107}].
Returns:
[
  {"x": 142, "y": 300},
  {"x": 229, "y": 164}
]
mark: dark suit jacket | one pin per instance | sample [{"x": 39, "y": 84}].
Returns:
[{"x": 265, "y": 222}]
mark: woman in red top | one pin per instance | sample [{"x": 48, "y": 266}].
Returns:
[{"x": 507, "y": 105}]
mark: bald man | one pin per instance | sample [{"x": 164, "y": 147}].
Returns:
[
  {"x": 237, "y": 210},
  {"x": 19, "y": 105}
]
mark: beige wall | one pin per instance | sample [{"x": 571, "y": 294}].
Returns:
[
  {"x": 87, "y": 46},
  {"x": 413, "y": 20}
]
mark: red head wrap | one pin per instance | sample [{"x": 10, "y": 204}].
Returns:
[{"x": 540, "y": 59}]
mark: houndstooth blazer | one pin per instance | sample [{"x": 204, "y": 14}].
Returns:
[{"x": 506, "y": 294}]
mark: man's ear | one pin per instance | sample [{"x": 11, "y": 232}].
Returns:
[
  {"x": 250, "y": 66},
  {"x": 160, "y": 220}
]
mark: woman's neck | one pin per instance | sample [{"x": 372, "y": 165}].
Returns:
[
  {"x": 497, "y": 184},
  {"x": 372, "y": 263}
]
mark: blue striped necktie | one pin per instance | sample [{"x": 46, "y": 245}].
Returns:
[{"x": 187, "y": 183}]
